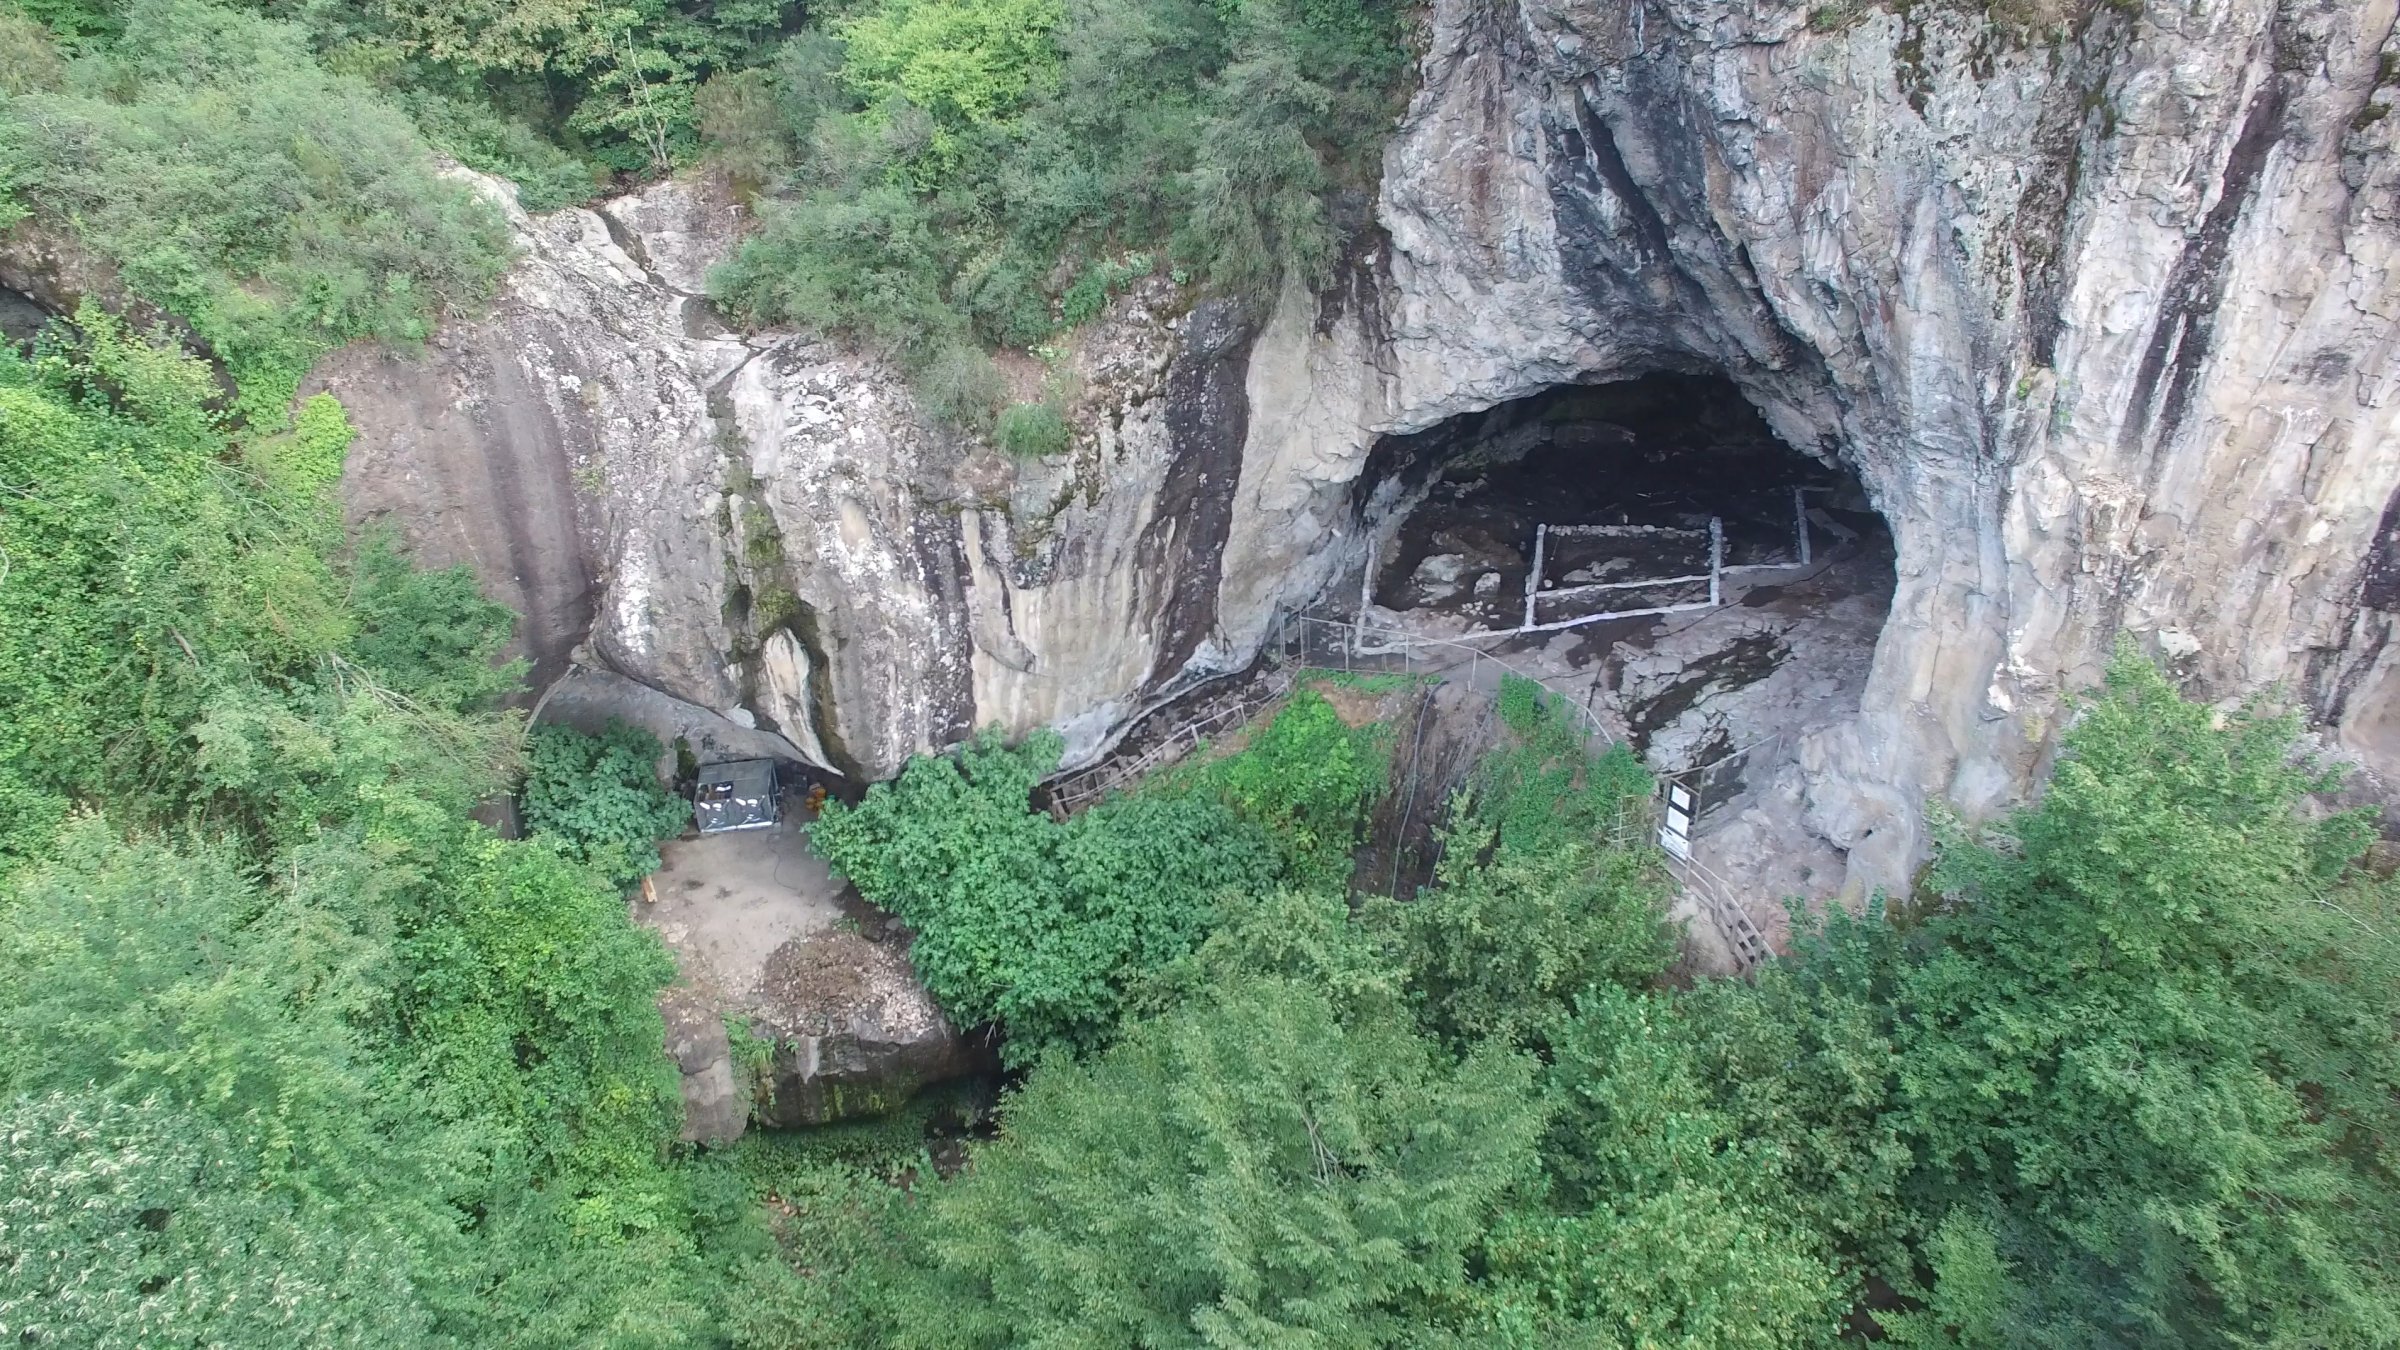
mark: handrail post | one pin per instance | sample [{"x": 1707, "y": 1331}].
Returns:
[
  {"x": 1533, "y": 579},
  {"x": 1716, "y": 561}
]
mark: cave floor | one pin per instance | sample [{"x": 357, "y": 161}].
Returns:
[{"x": 1727, "y": 698}]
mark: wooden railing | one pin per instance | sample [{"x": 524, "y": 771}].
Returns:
[{"x": 1074, "y": 791}]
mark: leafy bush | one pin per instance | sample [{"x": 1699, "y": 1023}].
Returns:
[
  {"x": 1032, "y": 430},
  {"x": 1541, "y": 787},
  {"x": 1504, "y": 948},
  {"x": 1036, "y": 924},
  {"x": 335, "y": 1064},
  {"x": 1802, "y": 1058},
  {"x": 1250, "y": 1169},
  {"x": 1310, "y": 778},
  {"x": 281, "y": 209},
  {"x": 481, "y": 137},
  {"x": 140, "y": 576},
  {"x": 2152, "y": 1050},
  {"x": 974, "y": 162},
  {"x": 600, "y": 799},
  {"x": 429, "y": 634},
  {"x": 139, "y": 1224},
  {"x": 1658, "y": 1230},
  {"x": 1548, "y": 886}
]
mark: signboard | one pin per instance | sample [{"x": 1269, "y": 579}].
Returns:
[{"x": 1675, "y": 828}]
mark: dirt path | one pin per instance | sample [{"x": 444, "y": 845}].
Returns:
[{"x": 726, "y": 902}]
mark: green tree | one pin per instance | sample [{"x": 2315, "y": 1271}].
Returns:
[
  {"x": 1803, "y": 1058},
  {"x": 1249, "y": 1169},
  {"x": 1547, "y": 889},
  {"x": 1661, "y": 1228},
  {"x": 137, "y": 1224},
  {"x": 1036, "y": 924},
  {"x": 1504, "y": 947},
  {"x": 599, "y": 798},
  {"x": 281, "y": 209},
  {"x": 2155, "y": 1046},
  {"x": 970, "y": 64},
  {"x": 984, "y": 171},
  {"x": 1310, "y": 779}
]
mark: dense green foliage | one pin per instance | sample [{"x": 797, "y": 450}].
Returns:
[
  {"x": 962, "y": 172},
  {"x": 1038, "y": 925},
  {"x": 938, "y": 176},
  {"x": 2155, "y": 1053},
  {"x": 108, "y": 1198},
  {"x": 291, "y": 1052},
  {"x": 1543, "y": 892},
  {"x": 2130, "y": 1084},
  {"x": 1310, "y": 779},
  {"x": 279, "y": 208},
  {"x": 599, "y": 797}
]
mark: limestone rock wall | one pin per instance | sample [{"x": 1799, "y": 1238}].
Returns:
[
  {"x": 2099, "y": 304},
  {"x": 2095, "y": 296}
]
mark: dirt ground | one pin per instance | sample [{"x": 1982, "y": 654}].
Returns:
[{"x": 726, "y": 902}]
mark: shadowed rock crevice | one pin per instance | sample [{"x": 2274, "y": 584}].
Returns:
[{"x": 1208, "y": 420}]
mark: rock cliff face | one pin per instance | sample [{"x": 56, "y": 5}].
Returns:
[{"x": 2095, "y": 298}]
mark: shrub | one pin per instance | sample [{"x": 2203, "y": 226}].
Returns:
[
  {"x": 1032, "y": 138},
  {"x": 1036, "y": 924},
  {"x": 1250, "y": 1169},
  {"x": 429, "y": 634},
  {"x": 1032, "y": 430},
  {"x": 600, "y": 797},
  {"x": 281, "y": 209},
  {"x": 1310, "y": 779},
  {"x": 482, "y": 138},
  {"x": 140, "y": 1224}
]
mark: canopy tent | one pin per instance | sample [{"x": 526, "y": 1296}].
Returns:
[{"x": 736, "y": 795}]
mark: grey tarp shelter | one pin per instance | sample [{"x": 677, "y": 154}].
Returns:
[{"x": 736, "y": 795}]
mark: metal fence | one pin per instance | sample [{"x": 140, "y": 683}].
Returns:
[{"x": 1354, "y": 644}]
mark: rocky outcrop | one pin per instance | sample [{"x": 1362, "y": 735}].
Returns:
[
  {"x": 2095, "y": 301},
  {"x": 855, "y": 1034},
  {"x": 2094, "y": 296},
  {"x": 832, "y": 1022},
  {"x": 716, "y": 1102}
]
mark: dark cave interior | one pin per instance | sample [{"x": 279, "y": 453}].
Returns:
[{"x": 1633, "y": 494}]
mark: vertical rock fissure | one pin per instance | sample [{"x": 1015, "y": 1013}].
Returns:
[
  {"x": 774, "y": 604},
  {"x": 2044, "y": 209},
  {"x": 940, "y": 552}
]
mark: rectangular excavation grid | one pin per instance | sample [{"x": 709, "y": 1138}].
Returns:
[{"x": 1700, "y": 553}]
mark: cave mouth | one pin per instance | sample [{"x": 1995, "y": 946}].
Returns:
[
  {"x": 1585, "y": 505},
  {"x": 21, "y": 317},
  {"x": 1653, "y": 551}
]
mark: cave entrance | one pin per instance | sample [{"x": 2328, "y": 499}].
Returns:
[
  {"x": 1652, "y": 551},
  {"x": 21, "y": 317},
  {"x": 1585, "y": 505}
]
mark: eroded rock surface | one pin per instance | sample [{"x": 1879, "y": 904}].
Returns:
[{"x": 2094, "y": 298}]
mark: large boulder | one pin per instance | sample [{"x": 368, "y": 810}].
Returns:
[
  {"x": 771, "y": 949},
  {"x": 855, "y": 1033},
  {"x": 716, "y": 1109}
]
